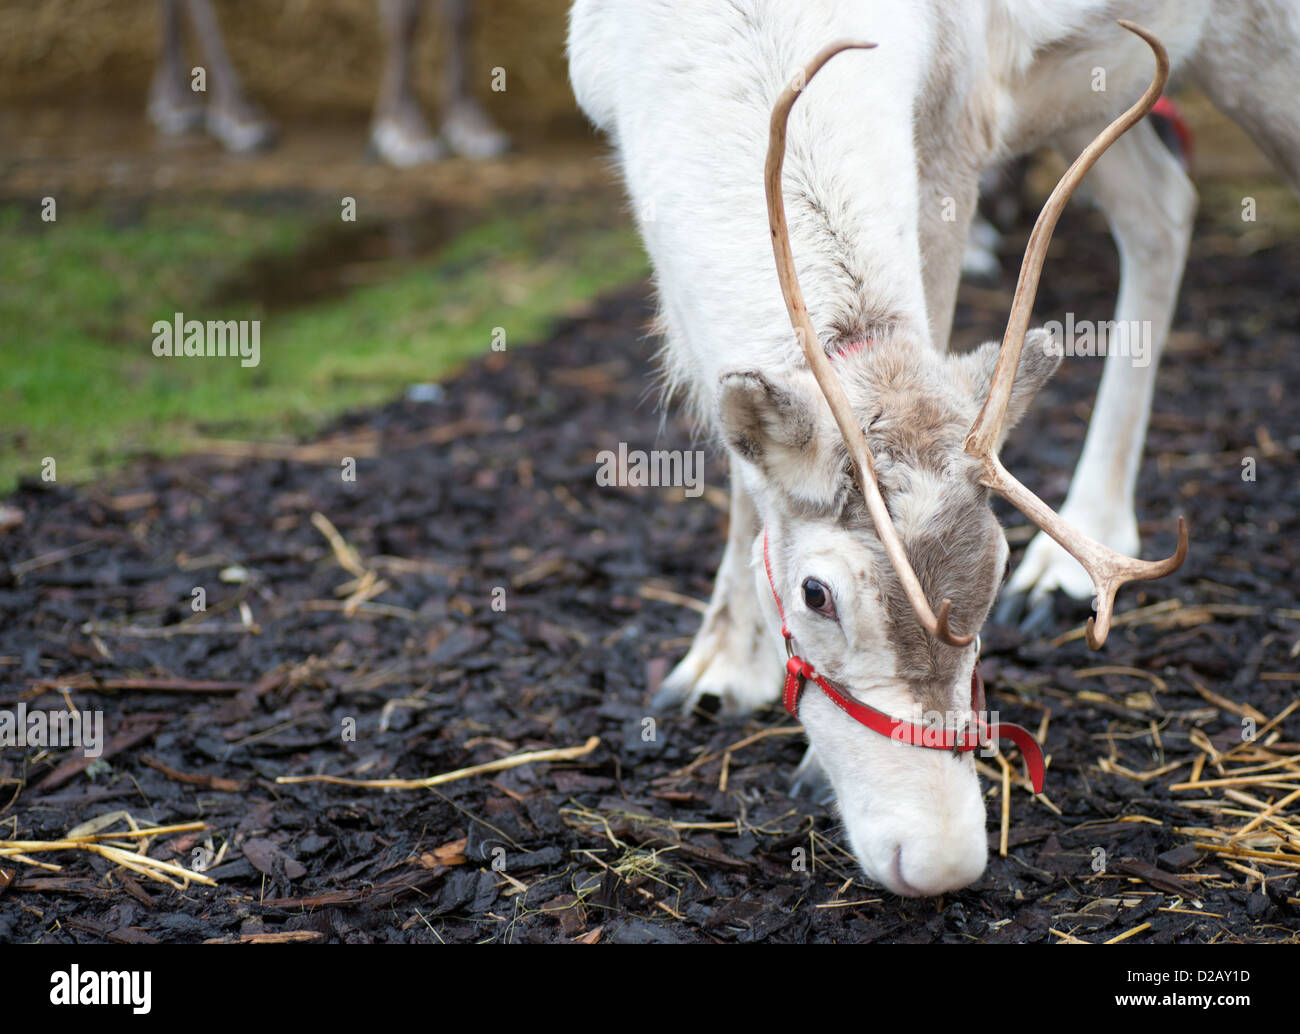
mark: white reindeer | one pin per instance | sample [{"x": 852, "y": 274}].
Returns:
[{"x": 862, "y": 454}]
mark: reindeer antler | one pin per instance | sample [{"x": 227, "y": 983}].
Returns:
[
  {"x": 1108, "y": 569},
  {"x": 854, "y": 438}
]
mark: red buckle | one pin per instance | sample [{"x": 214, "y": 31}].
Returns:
[{"x": 797, "y": 672}]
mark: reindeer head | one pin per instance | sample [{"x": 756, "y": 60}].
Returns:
[
  {"x": 914, "y": 817},
  {"x": 874, "y": 486}
]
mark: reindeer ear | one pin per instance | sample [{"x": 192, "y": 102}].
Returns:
[
  {"x": 1039, "y": 359},
  {"x": 785, "y": 430},
  {"x": 764, "y": 423}
]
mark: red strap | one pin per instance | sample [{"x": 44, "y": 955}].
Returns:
[
  {"x": 1168, "y": 110},
  {"x": 1020, "y": 736},
  {"x": 767, "y": 566},
  {"x": 798, "y": 672},
  {"x": 1029, "y": 750}
]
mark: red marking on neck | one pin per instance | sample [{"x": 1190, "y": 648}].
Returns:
[
  {"x": 851, "y": 347},
  {"x": 1168, "y": 110}
]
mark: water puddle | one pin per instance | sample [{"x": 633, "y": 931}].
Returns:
[{"x": 337, "y": 259}]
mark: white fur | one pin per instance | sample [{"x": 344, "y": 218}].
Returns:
[
  {"x": 914, "y": 817},
  {"x": 883, "y": 141}
]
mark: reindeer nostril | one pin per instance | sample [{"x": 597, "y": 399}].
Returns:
[{"x": 903, "y": 887}]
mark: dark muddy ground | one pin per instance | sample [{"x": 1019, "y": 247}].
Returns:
[{"x": 493, "y": 487}]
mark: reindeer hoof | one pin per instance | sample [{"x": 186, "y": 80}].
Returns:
[
  {"x": 1033, "y": 615},
  {"x": 669, "y": 698},
  {"x": 174, "y": 117},
  {"x": 471, "y": 134},
  {"x": 241, "y": 129},
  {"x": 1010, "y": 608},
  {"x": 811, "y": 782},
  {"x": 405, "y": 143},
  {"x": 743, "y": 680}
]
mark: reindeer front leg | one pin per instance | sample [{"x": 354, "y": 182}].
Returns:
[
  {"x": 1150, "y": 204},
  {"x": 233, "y": 118},
  {"x": 733, "y": 656},
  {"x": 399, "y": 134}
]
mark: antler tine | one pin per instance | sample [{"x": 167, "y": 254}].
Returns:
[
  {"x": 982, "y": 439},
  {"x": 856, "y": 441},
  {"x": 1108, "y": 569}
]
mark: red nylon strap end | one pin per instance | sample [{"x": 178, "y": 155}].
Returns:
[
  {"x": 1029, "y": 750},
  {"x": 795, "y": 675},
  {"x": 1021, "y": 737},
  {"x": 1168, "y": 110}
]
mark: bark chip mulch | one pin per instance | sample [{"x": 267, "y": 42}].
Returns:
[{"x": 474, "y": 595}]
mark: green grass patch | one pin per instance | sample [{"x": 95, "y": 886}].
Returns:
[{"x": 79, "y": 297}]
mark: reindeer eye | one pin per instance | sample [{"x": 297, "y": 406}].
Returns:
[{"x": 817, "y": 597}]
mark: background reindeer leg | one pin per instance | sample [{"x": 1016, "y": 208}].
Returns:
[
  {"x": 233, "y": 118},
  {"x": 466, "y": 126},
  {"x": 1150, "y": 204},
  {"x": 399, "y": 133},
  {"x": 173, "y": 106}
]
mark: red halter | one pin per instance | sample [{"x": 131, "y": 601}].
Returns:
[{"x": 798, "y": 671}]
